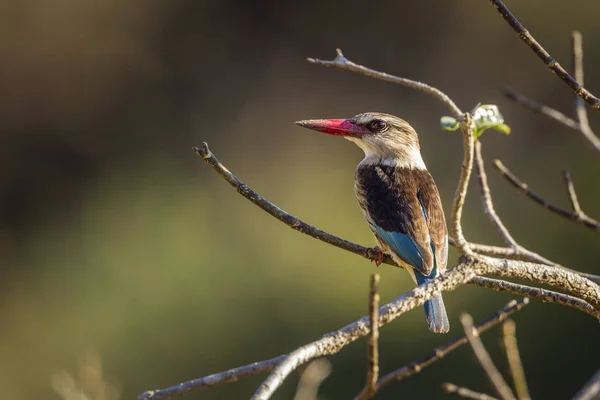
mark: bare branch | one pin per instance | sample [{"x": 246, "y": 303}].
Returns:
[
  {"x": 231, "y": 375},
  {"x": 333, "y": 342},
  {"x": 548, "y": 60},
  {"x": 441, "y": 352},
  {"x": 547, "y": 296},
  {"x": 580, "y": 110},
  {"x": 524, "y": 188},
  {"x": 343, "y": 63},
  {"x": 465, "y": 392},
  {"x": 283, "y": 216},
  {"x": 558, "y": 278},
  {"x": 591, "y": 390},
  {"x": 554, "y": 115},
  {"x": 460, "y": 196},
  {"x": 496, "y": 379},
  {"x": 542, "y": 109},
  {"x": 312, "y": 377},
  {"x": 572, "y": 193},
  {"x": 373, "y": 353},
  {"x": 486, "y": 198},
  {"x": 514, "y": 359}
]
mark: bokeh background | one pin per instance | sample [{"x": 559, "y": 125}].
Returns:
[{"x": 116, "y": 238}]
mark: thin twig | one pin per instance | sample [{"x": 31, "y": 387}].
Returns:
[
  {"x": 514, "y": 359},
  {"x": 373, "y": 352},
  {"x": 580, "y": 110},
  {"x": 441, "y": 352},
  {"x": 591, "y": 390},
  {"x": 465, "y": 393},
  {"x": 312, "y": 377},
  {"x": 496, "y": 379},
  {"x": 554, "y": 115},
  {"x": 545, "y": 295},
  {"x": 548, "y": 60},
  {"x": 490, "y": 211},
  {"x": 524, "y": 188},
  {"x": 572, "y": 194},
  {"x": 486, "y": 198},
  {"x": 542, "y": 109},
  {"x": 466, "y": 127},
  {"x": 232, "y": 375},
  {"x": 343, "y": 63}
]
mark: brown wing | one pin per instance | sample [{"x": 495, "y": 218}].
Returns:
[{"x": 391, "y": 198}]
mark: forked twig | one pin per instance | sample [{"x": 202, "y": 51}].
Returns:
[
  {"x": 578, "y": 217},
  {"x": 442, "y": 351},
  {"x": 235, "y": 374},
  {"x": 490, "y": 211},
  {"x": 343, "y": 63}
]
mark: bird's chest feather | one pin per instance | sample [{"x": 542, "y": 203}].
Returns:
[{"x": 387, "y": 195}]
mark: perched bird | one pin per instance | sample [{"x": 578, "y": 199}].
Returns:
[{"x": 398, "y": 198}]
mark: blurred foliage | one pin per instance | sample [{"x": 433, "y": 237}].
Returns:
[{"x": 115, "y": 237}]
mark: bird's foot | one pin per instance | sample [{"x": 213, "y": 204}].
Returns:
[{"x": 379, "y": 255}]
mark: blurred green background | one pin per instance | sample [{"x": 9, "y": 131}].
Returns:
[{"x": 115, "y": 237}]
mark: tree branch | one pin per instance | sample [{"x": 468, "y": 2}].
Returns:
[
  {"x": 231, "y": 375},
  {"x": 490, "y": 211},
  {"x": 581, "y": 218},
  {"x": 546, "y": 296},
  {"x": 580, "y": 110},
  {"x": 486, "y": 199},
  {"x": 343, "y": 63},
  {"x": 514, "y": 359},
  {"x": 591, "y": 390},
  {"x": 548, "y": 60},
  {"x": 333, "y": 342},
  {"x": 465, "y": 392},
  {"x": 373, "y": 353},
  {"x": 554, "y": 115},
  {"x": 441, "y": 352},
  {"x": 496, "y": 379},
  {"x": 312, "y": 377}
]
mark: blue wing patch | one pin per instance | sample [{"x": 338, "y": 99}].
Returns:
[{"x": 404, "y": 246}]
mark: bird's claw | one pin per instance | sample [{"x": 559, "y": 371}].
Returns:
[{"x": 379, "y": 255}]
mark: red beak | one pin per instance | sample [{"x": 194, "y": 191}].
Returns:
[{"x": 338, "y": 127}]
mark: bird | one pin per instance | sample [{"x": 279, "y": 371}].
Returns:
[{"x": 398, "y": 198}]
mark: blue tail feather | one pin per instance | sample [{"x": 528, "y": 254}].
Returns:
[{"x": 435, "y": 311}]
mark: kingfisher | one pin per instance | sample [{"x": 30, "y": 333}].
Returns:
[{"x": 398, "y": 198}]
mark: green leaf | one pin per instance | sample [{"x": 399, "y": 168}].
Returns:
[
  {"x": 449, "y": 123},
  {"x": 485, "y": 117},
  {"x": 488, "y": 116}
]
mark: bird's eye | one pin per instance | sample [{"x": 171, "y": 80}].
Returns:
[{"x": 377, "y": 126}]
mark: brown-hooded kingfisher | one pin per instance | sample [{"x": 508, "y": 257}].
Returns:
[{"x": 398, "y": 197}]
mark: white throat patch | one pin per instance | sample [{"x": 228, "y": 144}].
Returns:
[{"x": 410, "y": 157}]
